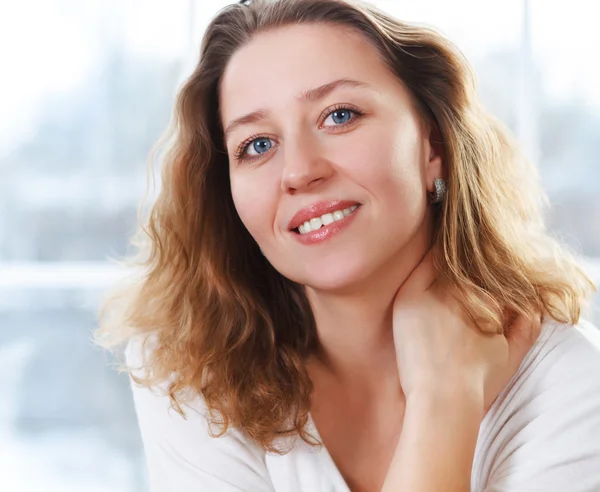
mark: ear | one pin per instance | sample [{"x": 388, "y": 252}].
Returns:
[{"x": 435, "y": 163}]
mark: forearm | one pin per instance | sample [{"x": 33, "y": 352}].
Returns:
[{"x": 436, "y": 448}]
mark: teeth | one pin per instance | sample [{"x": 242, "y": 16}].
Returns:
[
  {"x": 316, "y": 223},
  {"x": 327, "y": 219}
]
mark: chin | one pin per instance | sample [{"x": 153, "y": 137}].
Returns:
[{"x": 332, "y": 275}]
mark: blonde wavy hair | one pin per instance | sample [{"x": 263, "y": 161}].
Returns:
[{"x": 227, "y": 326}]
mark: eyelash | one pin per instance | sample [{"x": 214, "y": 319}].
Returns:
[{"x": 241, "y": 150}]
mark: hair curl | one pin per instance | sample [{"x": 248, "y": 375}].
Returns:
[{"x": 227, "y": 325}]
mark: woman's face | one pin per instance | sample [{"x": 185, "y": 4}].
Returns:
[{"x": 316, "y": 123}]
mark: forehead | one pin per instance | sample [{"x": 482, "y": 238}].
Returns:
[{"x": 278, "y": 65}]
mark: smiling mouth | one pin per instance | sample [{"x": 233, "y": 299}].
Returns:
[{"x": 324, "y": 220}]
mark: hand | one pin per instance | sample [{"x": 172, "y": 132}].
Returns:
[{"x": 439, "y": 348}]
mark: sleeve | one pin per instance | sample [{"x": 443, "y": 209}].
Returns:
[
  {"x": 182, "y": 456},
  {"x": 554, "y": 443}
]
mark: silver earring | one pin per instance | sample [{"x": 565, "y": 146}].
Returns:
[{"x": 439, "y": 194}]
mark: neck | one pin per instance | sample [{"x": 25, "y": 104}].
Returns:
[{"x": 356, "y": 343}]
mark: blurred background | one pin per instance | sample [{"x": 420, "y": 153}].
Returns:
[{"x": 87, "y": 87}]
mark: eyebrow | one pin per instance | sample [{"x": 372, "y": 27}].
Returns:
[{"x": 309, "y": 95}]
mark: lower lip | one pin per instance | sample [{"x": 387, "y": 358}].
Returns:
[{"x": 327, "y": 231}]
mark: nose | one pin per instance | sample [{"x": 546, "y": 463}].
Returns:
[{"x": 304, "y": 164}]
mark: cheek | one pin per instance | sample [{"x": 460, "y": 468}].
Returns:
[
  {"x": 386, "y": 161},
  {"x": 253, "y": 204}
]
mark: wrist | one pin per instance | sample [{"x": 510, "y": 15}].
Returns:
[
  {"x": 445, "y": 398},
  {"x": 438, "y": 440}
]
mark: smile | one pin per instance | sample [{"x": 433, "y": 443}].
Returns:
[
  {"x": 324, "y": 220},
  {"x": 326, "y": 226}
]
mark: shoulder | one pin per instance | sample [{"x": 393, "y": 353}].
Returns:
[
  {"x": 564, "y": 356},
  {"x": 564, "y": 360},
  {"x": 181, "y": 453},
  {"x": 544, "y": 429}
]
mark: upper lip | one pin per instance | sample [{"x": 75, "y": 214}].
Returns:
[{"x": 317, "y": 209}]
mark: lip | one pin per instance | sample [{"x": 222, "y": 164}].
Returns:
[
  {"x": 326, "y": 231},
  {"x": 317, "y": 209}
]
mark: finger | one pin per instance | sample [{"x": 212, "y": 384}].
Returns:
[{"x": 421, "y": 278}]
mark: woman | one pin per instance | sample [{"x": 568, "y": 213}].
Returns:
[{"x": 347, "y": 283}]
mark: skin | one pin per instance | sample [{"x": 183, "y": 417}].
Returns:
[{"x": 356, "y": 281}]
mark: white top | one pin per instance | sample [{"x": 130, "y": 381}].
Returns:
[{"x": 541, "y": 434}]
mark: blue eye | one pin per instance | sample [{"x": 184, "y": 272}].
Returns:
[
  {"x": 340, "y": 116},
  {"x": 261, "y": 145},
  {"x": 257, "y": 145}
]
